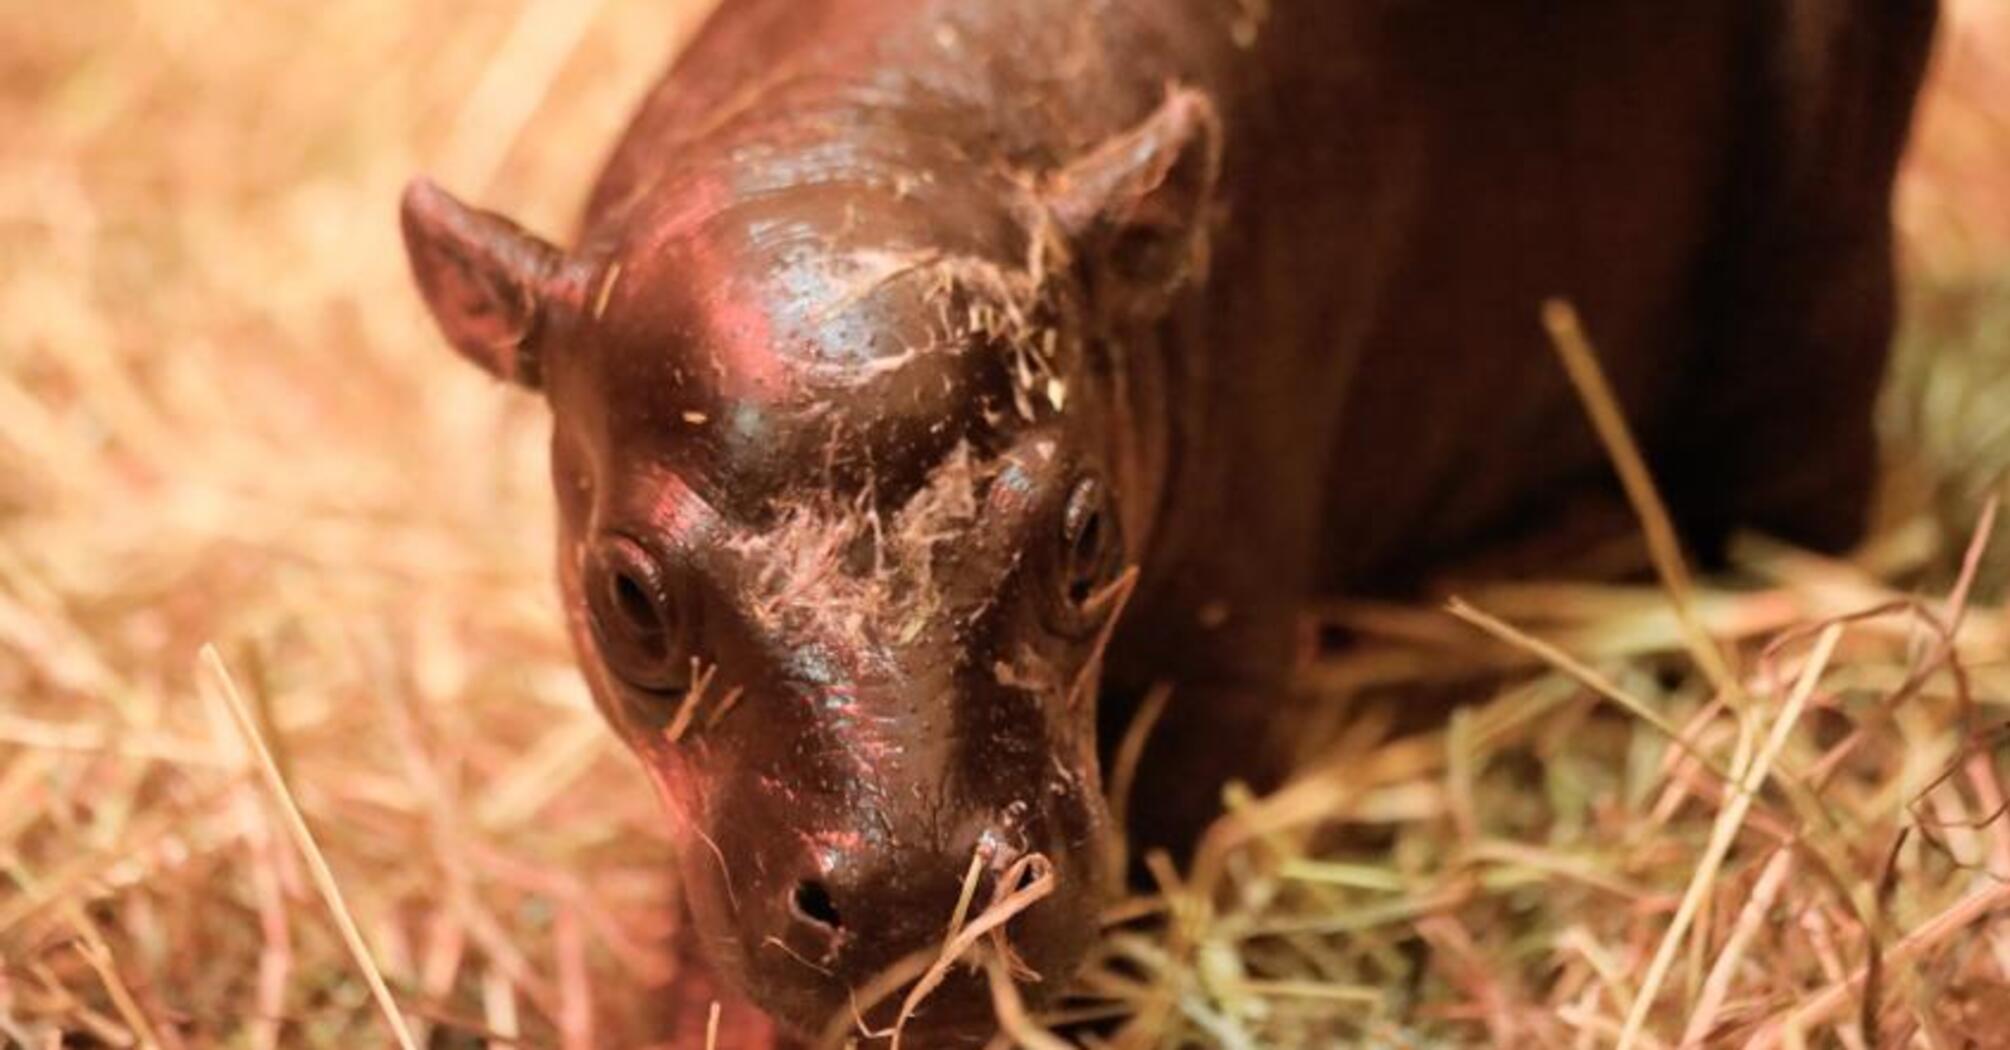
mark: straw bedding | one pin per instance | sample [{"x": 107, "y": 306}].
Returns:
[{"x": 1762, "y": 809}]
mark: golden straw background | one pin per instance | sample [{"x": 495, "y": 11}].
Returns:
[{"x": 225, "y": 420}]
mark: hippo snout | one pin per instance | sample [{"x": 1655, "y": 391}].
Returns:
[{"x": 841, "y": 916}]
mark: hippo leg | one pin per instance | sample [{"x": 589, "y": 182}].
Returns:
[
  {"x": 1209, "y": 735},
  {"x": 1800, "y": 297},
  {"x": 1785, "y": 420},
  {"x": 1229, "y": 715}
]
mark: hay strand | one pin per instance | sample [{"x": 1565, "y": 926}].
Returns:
[
  {"x": 1580, "y": 361},
  {"x": 1729, "y": 822},
  {"x": 303, "y": 840},
  {"x": 224, "y": 416}
]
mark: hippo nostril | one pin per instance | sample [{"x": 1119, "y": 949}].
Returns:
[{"x": 812, "y": 903}]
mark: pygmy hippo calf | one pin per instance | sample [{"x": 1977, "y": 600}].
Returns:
[{"x": 931, "y": 377}]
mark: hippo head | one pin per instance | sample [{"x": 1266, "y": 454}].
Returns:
[{"x": 846, "y": 519}]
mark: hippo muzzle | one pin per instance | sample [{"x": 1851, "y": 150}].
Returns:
[{"x": 861, "y": 776}]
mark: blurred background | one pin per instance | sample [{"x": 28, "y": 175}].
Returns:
[{"x": 224, "y": 419}]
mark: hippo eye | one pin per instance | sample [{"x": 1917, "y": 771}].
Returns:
[
  {"x": 1090, "y": 551},
  {"x": 635, "y": 619}
]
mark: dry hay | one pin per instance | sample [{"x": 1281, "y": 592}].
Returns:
[{"x": 223, "y": 421}]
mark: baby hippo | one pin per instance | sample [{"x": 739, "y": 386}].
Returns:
[{"x": 932, "y": 378}]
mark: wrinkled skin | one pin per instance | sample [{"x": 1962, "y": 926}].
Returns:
[{"x": 931, "y": 378}]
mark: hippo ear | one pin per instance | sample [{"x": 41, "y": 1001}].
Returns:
[
  {"x": 492, "y": 287},
  {"x": 1137, "y": 206}
]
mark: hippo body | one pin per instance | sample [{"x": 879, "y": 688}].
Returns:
[{"x": 926, "y": 368}]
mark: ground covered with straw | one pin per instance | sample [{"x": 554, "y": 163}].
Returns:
[{"x": 275, "y": 568}]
